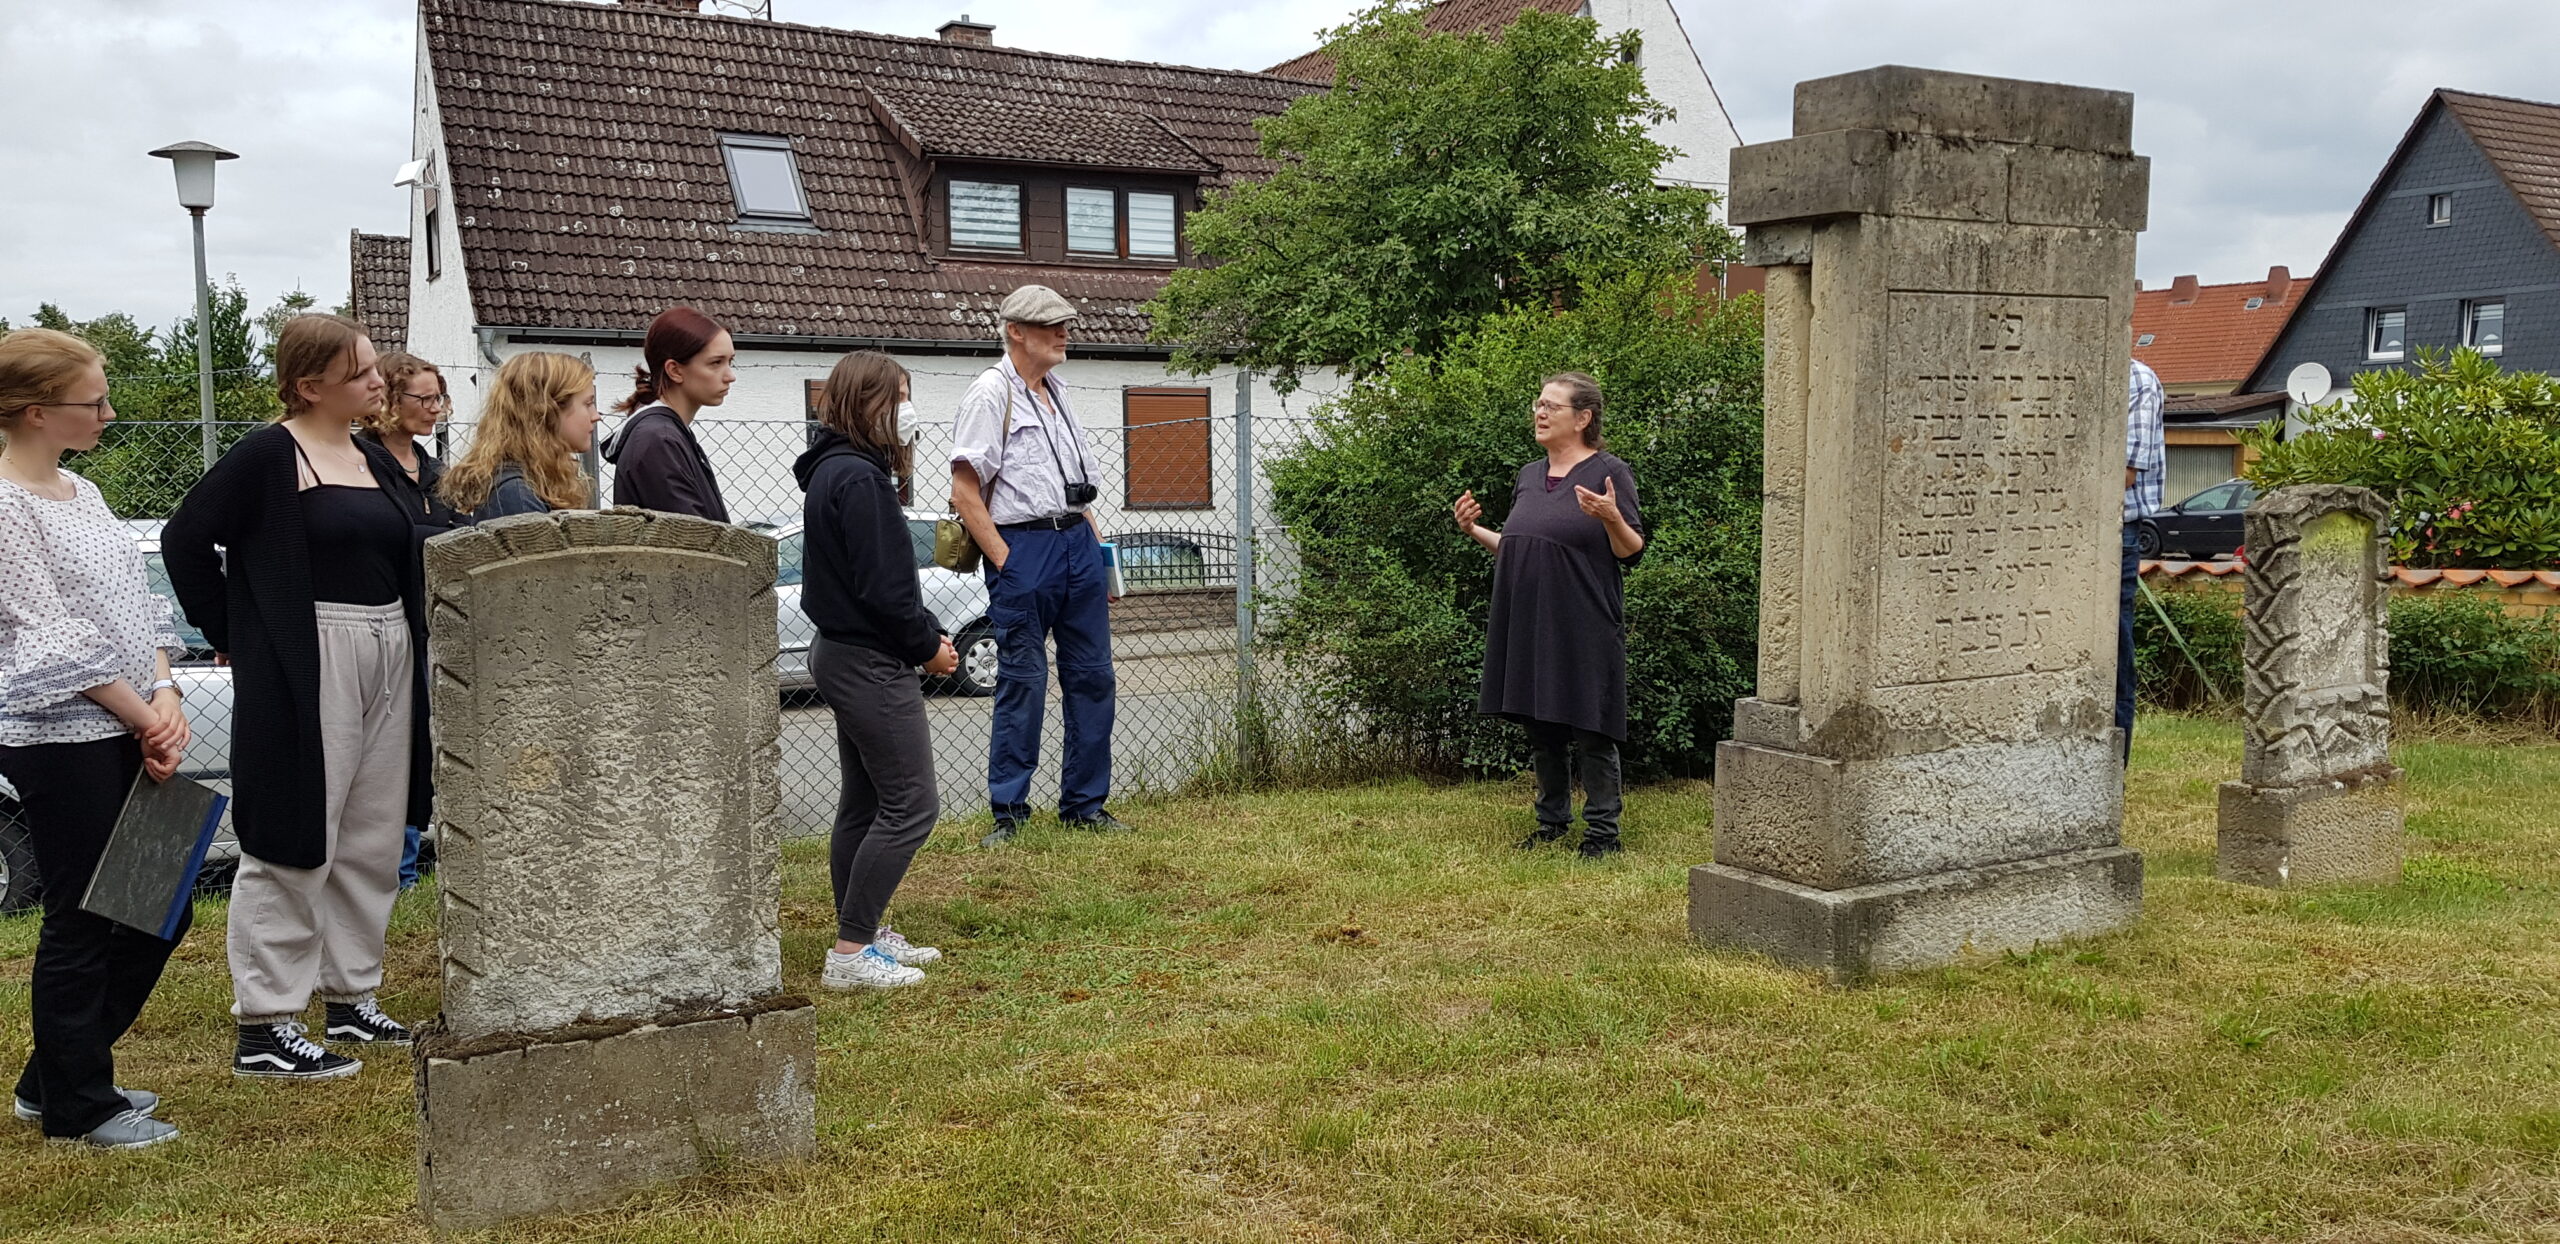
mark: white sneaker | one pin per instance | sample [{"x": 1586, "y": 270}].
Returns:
[
  {"x": 902, "y": 950},
  {"x": 870, "y": 969}
]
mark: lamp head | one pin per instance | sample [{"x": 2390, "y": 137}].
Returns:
[{"x": 194, "y": 163}]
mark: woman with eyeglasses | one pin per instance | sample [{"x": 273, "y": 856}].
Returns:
[
  {"x": 414, "y": 401},
  {"x": 86, "y": 703},
  {"x": 1555, "y": 653}
]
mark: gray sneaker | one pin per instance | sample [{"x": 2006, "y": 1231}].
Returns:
[
  {"x": 142, "y": 1102},
  {"x": 129, "y": 1130}
]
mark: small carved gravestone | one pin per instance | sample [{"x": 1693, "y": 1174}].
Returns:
[
  {"x": 606, "y": 725},
  {"x": 2312, "y": 803}
]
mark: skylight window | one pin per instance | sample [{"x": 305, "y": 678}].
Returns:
[
  {"x": 2253, "y": 304},
  {"x": 2145, "y": 340},
  {"x": 764, "y": 177}
]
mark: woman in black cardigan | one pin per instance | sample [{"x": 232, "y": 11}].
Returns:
[{"x": 316, "y": 600}]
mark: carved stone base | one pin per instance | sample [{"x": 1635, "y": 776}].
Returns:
[
  {"x": 1923, "y": 922},
  {"x": 2284, "y": 836},
  {"x": 512, "y": 1129}
]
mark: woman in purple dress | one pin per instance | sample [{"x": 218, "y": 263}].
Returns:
[{"x": 1555, "y": 653}]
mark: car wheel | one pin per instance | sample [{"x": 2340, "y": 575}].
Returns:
[
  {"x": 20, "y": 888},
  {"x": 2146, "y": 540},
  {"x": 977, "y": 676}
]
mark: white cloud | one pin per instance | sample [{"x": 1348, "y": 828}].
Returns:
[{"x": 2264, "y": 121}]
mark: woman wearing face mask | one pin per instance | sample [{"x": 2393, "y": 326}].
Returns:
[
  {"x": 541, "y": 414},
  {"x": 657, "y": 462},
  {"x": 860, "y": 588},
  {"x": 297, "y": 557},
  {"x": 85, "y": 704}
]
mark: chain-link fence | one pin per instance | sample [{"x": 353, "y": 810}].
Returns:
[{"x": 1183, "y": 497}]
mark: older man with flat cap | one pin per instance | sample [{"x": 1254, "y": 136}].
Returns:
[{"x": 1021, "y": 479}]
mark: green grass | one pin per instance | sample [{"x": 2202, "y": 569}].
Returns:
[{"x": 1356, "y": 1014}]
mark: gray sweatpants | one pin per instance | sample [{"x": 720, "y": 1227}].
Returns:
[
  {"x": 295, "y": 931},
  {"x": 890, "y": 799}
]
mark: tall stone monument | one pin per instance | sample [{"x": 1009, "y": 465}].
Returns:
[
  {"x": 1930, "y": 766},
  {"x": 606, "y": 733},
  {"x": 2312, "y": 803}
]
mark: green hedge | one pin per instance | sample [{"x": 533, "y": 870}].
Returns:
[{"x": 2451, "y": 653}]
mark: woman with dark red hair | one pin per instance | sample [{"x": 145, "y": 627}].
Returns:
[{"x": 657, "y": 463}]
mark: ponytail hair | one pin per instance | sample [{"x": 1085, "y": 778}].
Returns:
[{"x": 678, "y": 335}]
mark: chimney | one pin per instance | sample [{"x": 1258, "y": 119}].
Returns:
[
  {"x": 975, "y": 34},
  {"x": 2279, "y": 284},
  {"x": 672, "y": 6},
  {"x": 2182, "y": 292}
]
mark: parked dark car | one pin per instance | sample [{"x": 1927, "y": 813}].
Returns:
[{"x": 2202, "y": 527}]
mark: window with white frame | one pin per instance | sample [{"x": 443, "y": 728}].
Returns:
[
  {"x": 764, "y": 178},
  {"x": 1151, "y": 225},
  {"x": 986, "y": 215},
  {"x": 1093, "y": 220},
  {"x": 2484, "y": 325},
  {"x": 2439, "y": 210},
  {"x": 2386, "y": 336}
]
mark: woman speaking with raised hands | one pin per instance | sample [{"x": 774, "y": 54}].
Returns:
[{"x": 1555, "y": 653}]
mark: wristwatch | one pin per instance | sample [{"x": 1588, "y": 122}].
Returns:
[{"x": 165, "y": 684}]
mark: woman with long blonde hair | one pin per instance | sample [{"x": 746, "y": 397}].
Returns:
[{"x": 540, "y": 415}]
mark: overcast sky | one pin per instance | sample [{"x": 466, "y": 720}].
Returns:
[{"x": 2264, "y": 119}]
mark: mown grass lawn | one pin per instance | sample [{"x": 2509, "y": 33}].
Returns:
[{"x": 1359, "y": 1015}]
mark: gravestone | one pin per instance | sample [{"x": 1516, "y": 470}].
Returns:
[
  {"x": 1930, "y": 767},
  {"x": 606, "y": 731},
  {"x": 2312, "y": 804}
]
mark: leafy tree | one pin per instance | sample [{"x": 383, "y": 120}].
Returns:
[
  {"x": 1389, "y": 613},
  {"x": 1444, "y": 178},
  {"x": 2467, "y": 454}
]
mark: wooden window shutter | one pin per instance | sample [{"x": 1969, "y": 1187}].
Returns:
[{"x": 1168, "y": 448}]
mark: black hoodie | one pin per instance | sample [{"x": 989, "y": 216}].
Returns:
[
  {"x": 658, "y": 465},
  {"x": 859, "y": 579}
]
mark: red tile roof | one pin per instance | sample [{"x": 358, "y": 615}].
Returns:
[
  {"x": 378, "y": 287},
  {"x": 587, "y": 179},
  {"x": 1461, "y": 16},
  {"x": 2411, "y": 576},
  {"x": 2209, "y": 334},
  {"x": 2522, "y": 140}
]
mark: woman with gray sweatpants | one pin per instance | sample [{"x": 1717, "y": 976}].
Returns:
[{"x": 859, "y": 587}]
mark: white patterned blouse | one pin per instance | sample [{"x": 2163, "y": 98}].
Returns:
[{"x": 76, "y": 611}]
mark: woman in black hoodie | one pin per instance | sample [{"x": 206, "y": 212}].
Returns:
[
  {"x": 860, "y": 588},
  {"x": 657, "y": 463}
]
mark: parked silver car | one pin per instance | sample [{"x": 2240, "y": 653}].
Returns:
[{"x": 957, "y": 601}]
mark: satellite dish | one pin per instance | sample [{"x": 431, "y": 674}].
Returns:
[
  {"x": 2308, "y": 385},
  {"x": 413, "y": 173}
]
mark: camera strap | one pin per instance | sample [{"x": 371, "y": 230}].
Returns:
[{"x": 1057, "y": 410}]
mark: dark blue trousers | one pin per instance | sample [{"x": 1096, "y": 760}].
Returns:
[
  {"x": 2129, "y": 588},
  {"x": 1052, "y": 585}
]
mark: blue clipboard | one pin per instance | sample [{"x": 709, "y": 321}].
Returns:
[{"x": 147, "y": 875}]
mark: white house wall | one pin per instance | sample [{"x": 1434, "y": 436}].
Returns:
[
  {"x": 440, "y": 315},
  {"x": 1673, "y": 72}
]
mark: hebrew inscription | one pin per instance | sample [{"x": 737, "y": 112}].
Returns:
[{"x": 1993, "y": 403}]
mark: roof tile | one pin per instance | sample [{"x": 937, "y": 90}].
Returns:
[{"x": 378, "y": 287}]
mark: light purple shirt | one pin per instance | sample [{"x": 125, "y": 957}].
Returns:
[{"x": 1026, "y": 477}]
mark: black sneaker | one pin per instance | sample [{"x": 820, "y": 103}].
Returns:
[
  {"x": 1006, "y": 828},
  {"x": 280, "y": 1051},
  {"x": 1598, "y": 848},
  {"x": 362, "y": 1023},
  {"x": 1099, "y": 822},
  {"x": 1544, "y": 835}
]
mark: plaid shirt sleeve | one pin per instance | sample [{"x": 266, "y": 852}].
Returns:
[{"x": 2144, "y": 451}]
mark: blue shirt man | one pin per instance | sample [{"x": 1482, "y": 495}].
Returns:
[
  {"x": 2146, "y": 466},
  {"x": 1021, "y": 479}
]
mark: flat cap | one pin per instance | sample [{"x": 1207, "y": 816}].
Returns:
[{"x": 1036, "y": 304}]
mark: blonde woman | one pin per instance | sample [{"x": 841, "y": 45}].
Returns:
[
  {"x": 296, "y": 556},
  {"x": 85, "y": 704},
  {"x": 414, "y": 401},
  {"x": 540, "y": 415}
]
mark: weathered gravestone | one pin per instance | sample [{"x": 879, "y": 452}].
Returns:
[
  {"x": 606, "y": 732},
  {"x": 1930, "y": 766},
  {"x": 2312, "y": 805}
]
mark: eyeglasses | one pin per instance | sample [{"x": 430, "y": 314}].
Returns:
[
  {"x": 1544, "y": 407},
  {"x": 101, "y": 406},
  {"x": 427, "y": 401}
]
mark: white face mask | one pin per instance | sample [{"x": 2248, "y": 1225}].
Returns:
[{"x": 907, "y": 422}]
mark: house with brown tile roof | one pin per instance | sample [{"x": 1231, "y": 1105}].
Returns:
[
  {"x": 819, "y": 190},
  {"x": 2457, "y": 242},
  {"x": 378, "y": 286},
  {"x": 1699, "y": 129},
  {"x": 2203, "y": 341}
]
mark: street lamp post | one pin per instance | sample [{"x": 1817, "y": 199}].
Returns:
[{"x": 194, "y": 162}]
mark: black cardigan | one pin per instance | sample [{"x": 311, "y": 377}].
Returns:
[
  {"x": 253, "y": 600},
  {"x": 658, "y": 465},
  {"x": 860, "y": 585}
]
